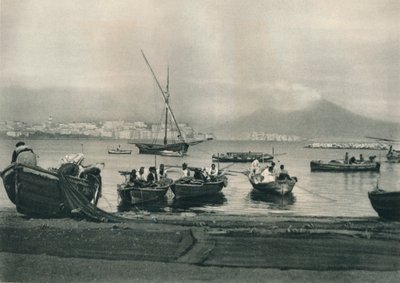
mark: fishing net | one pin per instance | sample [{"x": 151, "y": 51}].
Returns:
[{"x": 81, "y": 206}]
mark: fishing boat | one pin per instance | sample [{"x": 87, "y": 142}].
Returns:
[
  {"x": 189, "y": 187},
  {"x": 142, "y": 193},
  {"x": 36, "y": 191},
  {"x": 179, "y": 145},
  {"x": 281, "y": 187},
  {"x": 340, "y": 166},
  {"x": 386, "y": 204},
  {"x": 119, "y": 151},
  {"x": 242, "y": 157},
  {"x": 393, "y": 156}
]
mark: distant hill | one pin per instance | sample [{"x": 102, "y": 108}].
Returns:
[{"x": 322, "y": 119}]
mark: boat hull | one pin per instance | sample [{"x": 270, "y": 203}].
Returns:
[
  {"x": 317, "y": 165},
  {"x": 121, "y": 151},
  {"x": 386, "y": 204},
  {"x": 36, "y": 191},
  {"x": 281, "y": 187},
  {"x": 194, "y": 188},
  {"x": 137, "y": 195},
  {"x": 241, "y": 157},
  {"x": 150, "y": 148}
]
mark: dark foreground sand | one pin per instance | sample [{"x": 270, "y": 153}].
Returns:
[{"x": 199, "y": 248}]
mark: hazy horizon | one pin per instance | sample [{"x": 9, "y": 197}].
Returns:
[{"x": 78, "y": 60}]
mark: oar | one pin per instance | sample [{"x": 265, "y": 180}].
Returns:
[{"x": 313, "y": 193}]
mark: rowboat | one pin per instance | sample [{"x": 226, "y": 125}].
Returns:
[
  {"x": 188, "y": 187},
  {"x": 134, "y": 194},
  {"x": 241, "y": 157},
  {"x": 340, "y": 166},
  {"x": 36, "y": 191},
  {"x": 386, "y": 204},
  {"x": 119, "y": 151},
  {"x": 281, "y": 187}
]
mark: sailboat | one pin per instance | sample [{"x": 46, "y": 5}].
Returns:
[
  {"x": 168, "y": 148},
  {"x": 393, "y": 155}
]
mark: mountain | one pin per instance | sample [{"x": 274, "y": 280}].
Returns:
[{"x": 321, "y": 119}]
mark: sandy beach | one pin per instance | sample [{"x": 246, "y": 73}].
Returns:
[{"x": 188, "y": 247}]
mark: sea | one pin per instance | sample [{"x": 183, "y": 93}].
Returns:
[{"x": 315, "y": 194}]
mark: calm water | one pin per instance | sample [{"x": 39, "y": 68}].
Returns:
[{"x": 320, "y": 194}]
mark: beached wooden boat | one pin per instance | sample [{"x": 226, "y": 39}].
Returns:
[
  {"x": 38, "y": 192},
  {"x": 340, "y": 166},
  {"x": 119, "y": 151},
  {"x": 188, "y": 187},
  {"x": 281, "y": 187},
  {"x": 242, "y": 157},
  {"x": 386, "y": 204},
  {"x": 146, "y": 193}
]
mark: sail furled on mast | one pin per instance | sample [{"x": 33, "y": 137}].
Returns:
[{"x": 165, "y": 96}]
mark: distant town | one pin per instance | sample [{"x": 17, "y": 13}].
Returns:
[{"x": 123, "y": 130}]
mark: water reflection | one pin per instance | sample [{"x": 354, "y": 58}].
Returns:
[
  {"x": 198, "y": 202},
  {"x": 151, "y": 206},
  {"x": 274, "y": 200}
]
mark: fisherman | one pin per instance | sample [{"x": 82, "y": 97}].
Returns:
[
  {"x": 185, "y": 170},
  {"x": 198, "y": 174},
  {"x": 284, "y": 174},
  {"x": 267, "y": 175},
  {"x": 133, "y": 181},
  {"x": 152, "y": 176},
  {"x": 346, "y": 158},
  {"x": 141, "y": 177},
  {"x": 162, "y": 172},
  {"x": 361, "y": 158},
  {"x": 23, "y": 154},
  {"x": 255, "y": 167},
  {"x": 352, "y": 160},
  {"x": 213, "y": 172}
]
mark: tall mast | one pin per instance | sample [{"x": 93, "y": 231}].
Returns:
[
  {"x": 166, "y": 109},
  {"x": 165, "y": 98}
]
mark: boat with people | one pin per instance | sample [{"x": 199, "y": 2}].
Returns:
[
  {"x": 242, "y": 157},
  {"x": 341, "y": 166},
  {"x": 131, "y": 193},
  {"x": 386, "y": 204},
  {"x": 169, "y": 127},
  {"x": 55, "y": 192},
  {"x": 282, "y": 187},
  {"x": 199, "y": 185}
]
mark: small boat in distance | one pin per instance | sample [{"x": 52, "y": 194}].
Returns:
[
  {"x": 386, "y": 204},
  {"x": 340, "y": 166},
  {"x": 242, "y": 157},
  {"x": 119, "y": 150}
]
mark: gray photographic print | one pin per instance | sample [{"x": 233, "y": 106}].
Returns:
[{"x": 199, "y": 141}]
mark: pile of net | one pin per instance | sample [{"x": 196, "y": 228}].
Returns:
[{"x": 80, "y": 206}]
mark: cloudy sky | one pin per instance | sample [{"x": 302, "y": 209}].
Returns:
[{"x": 79, "y": 60}]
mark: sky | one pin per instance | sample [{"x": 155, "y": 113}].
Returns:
[{"x": 81, "y": 60}]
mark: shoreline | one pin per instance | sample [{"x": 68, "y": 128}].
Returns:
[{"x": 206, "y": 241}]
